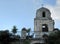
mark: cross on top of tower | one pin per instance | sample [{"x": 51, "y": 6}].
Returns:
[{"x": 42, "y": 5}]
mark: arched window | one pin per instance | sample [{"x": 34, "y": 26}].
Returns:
[{"x": 43, "y": 14}]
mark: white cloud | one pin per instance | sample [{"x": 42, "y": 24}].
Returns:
[
  {"x": 58, "y": 2},
  {"x": 55, "y": 10}
]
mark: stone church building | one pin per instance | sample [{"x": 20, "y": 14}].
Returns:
[{"x": 43, "y": 24}]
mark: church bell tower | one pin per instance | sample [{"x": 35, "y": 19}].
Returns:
[{"x": 43, "y": 22}]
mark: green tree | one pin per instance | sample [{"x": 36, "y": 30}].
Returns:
[
  {"x": 14, "y": 30},
  {"x": 5, "y": 37},
  {"x": 28, "y": 31},
  {"x": 54, "y": 38},
  {"x": 26, "y": 41},
  {"x": 45, "y": 36}
]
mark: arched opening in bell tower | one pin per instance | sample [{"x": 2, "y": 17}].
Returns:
[
  {"x": 37, "y": 43},
  {"x": 44, "y": 28},
  {"x": 43, "y": 14}
]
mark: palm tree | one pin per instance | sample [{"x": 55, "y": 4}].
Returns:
[
  {"x": 28, "y": 31},
  {"x": 14, "y": 30}
]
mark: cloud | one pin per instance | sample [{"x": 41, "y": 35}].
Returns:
[
  {"x": 58, "y": 2},
  {"x": 55, "y": 10},
  {"x": 55, "y": 13}
]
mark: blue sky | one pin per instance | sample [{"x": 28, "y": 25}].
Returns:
[{"x": 21, "y": 13}]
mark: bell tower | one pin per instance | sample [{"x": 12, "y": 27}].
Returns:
[{"x": 43, "y": 22}]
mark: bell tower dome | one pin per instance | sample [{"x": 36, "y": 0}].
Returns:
[
  {"x": 43, "y": 13},
  {"x": 43, "y": 21}
]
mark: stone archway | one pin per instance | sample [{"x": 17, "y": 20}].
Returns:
[{"x": 44, "y": 28}]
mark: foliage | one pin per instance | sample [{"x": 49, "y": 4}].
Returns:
[
  {"x": 28, "y": 34},
  {"x": 6, "y": 37},
  {"x": 45, "y": 36},
  {"x": 14, "y": 30},
  {"x": 28, "y": 31},
  {"x": 26, "y": 41},
  {"x": 54, "y": 38}
]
